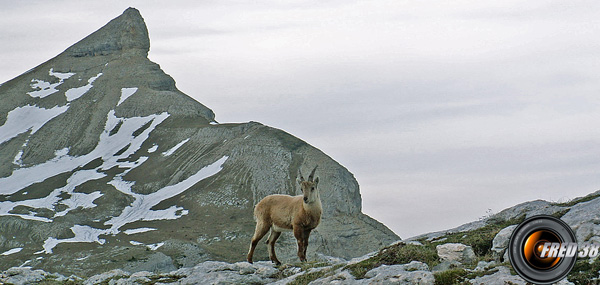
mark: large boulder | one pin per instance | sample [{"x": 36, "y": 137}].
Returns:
[{"x": 456, "y": 252}]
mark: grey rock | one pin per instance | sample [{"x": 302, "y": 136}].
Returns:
[
  {"x": 125, "y": 33},
  {"x": 212, "y": 272},
  {"x": 412, "y": 266},
  {"x": 501, "y": 277},
  {"x": 500, "y": 242},
  {"x": 484, "y": 265},
  {"x": 456, "y": 252},
  {"x": 22, "y": 276},
  {"x": 106, "y": 277},
  {"x": 584, "y": 219},
  {"x": 528, "y": 209},
  {"x": 412, "y": 273},
  {"x": 339, "y": 277}
]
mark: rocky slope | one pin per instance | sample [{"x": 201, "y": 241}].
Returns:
[
  {"x": 104, "y": 164},
  {"x": 470, "y": 254}
]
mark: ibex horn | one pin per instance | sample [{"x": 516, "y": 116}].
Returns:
[
  {"x": 312, "y": 174},
  {"x": 300, "y": 174}
]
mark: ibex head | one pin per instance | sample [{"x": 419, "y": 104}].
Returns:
[{"x": 309, "y": 187}]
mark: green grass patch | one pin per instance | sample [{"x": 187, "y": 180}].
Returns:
[
  {"x": 396, "y": 254},
  {"x": 561, "y": 213},
  {"x": 314, "y": 275},
  {"x": 304, "y": 266},
  {"x": 449, "y": 277},
  {"x": 585, "y": 272}
]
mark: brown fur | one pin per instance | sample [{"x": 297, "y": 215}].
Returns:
[{"x": 301, "y": 214}]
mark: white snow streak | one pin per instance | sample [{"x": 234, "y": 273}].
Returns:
[
  {"x": 12, "y": 251},
  {"x": 60, "y": 75},
  {"x": 75, "y": 93},
  {"x": 153, "y": 148},
  {"x": 173, "y": 149},
  {"x": 155, "y": 246},
  {"x": 125, "y": 93},
  {"x": 17, "y": 160},
  {"x": 138, "y": 231}
]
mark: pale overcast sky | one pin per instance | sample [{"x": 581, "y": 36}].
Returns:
[{"x": 441, "y": 109}]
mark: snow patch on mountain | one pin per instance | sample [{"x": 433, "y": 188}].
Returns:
[
  {"x": 75, "y": 93},
  {"x": 43, "y": 88},
  {"x": 17, "y": 160},
  {"x": 175, "y": 148},
  {"x": 82, "y": 234},
  {"x": 125, "y": 93},
  {"x": 153, "y": 148},
  {"x": 12, "y": 251},
  {"x": 138, "y": 231},
  {"x": 27, "y": 118}
]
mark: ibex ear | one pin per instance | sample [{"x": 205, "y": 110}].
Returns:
[
  {"x": 316, "y": 181},
  {"x": 312, "y": 174}
]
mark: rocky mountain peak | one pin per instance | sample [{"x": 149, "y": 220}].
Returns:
[
  {"x": 125, "y": 34},
  {"x": 100, "y": 153}
]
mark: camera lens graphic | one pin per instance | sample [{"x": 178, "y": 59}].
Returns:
[
  {"x": 527, "y": 245},
  {"x": 534, "y": 247}
]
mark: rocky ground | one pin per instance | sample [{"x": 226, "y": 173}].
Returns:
[
  {"x": 459, "y": 264},
  {"x": 471, "y": 254}
]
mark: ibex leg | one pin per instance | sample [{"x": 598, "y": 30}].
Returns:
[
  {"x": 260, "y": 231},
  {"x": 299, "y": 234},
  {"x": 271, "y": 242}
]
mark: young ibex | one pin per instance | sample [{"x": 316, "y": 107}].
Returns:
[{"x": 301, "y": 214}]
